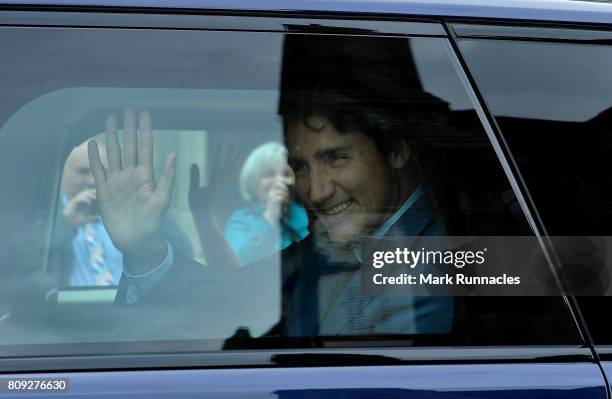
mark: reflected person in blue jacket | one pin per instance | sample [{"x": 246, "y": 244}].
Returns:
[{"x": 273, "y": 219}]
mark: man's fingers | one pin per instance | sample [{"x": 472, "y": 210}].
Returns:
[
  {"x": 130, "y": 139},
  {"x": 96, "y": 164},
  {"x": 145, "y": 149},
  {"x": 166, "y": 181},
  {"x": 113, "y": 152}
]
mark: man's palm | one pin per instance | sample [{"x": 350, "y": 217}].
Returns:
[{"x": 131, "y": 204}]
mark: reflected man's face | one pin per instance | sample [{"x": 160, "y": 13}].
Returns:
[{"x": 343, "y": 179}]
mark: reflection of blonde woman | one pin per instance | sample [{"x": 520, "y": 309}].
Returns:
[{"x": 272, "y": 219}]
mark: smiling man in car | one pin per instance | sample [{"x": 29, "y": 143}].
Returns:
[{"x": 352, "y": 109}]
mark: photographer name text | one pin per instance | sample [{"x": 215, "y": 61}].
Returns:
[{"x": 422, "y": 257}]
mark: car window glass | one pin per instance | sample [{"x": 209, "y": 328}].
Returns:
[
  {"x": 213, "y": 195},
  {"x": 552, "y": 103}
]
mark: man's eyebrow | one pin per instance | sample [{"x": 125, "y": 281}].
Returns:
[
  {"x": 327, "y": 151},
  {"x": 293, "y": 159}
]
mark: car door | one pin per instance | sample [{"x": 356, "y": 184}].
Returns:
[
  {"x": 561, "y": 98},
  {"x": 208, "y": 81}
]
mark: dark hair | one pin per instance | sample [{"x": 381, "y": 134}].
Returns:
[
  {"x": 350, "y": 116},
  {"x": 358, "y": 84}
]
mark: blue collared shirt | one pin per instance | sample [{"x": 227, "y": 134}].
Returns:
[
  {"x": 412, "y": 199},
  {"x": 384, "y": 228},
  {"x": 344, "y": 310}
]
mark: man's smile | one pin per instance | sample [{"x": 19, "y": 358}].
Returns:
[
  {"x": 336, "y": 209},
  {"x": 336, "y": 213}
]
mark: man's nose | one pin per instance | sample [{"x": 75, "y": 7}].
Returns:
[{"x": 321, "y": 186}]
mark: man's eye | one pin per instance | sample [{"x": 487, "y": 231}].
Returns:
[
  {"x": 336, "y": 158},
  {"x": 298, "y": 169}
]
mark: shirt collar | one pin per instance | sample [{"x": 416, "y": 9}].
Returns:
[
  {"x": 416, "y": 194},
  {"x": 384, "y": 228}
]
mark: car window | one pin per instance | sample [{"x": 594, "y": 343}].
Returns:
[
  {"x": 552, "y": 104},
  {"x": 214, "y": 194}
]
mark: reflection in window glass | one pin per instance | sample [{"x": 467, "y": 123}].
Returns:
[
  {"x": 237, "y": 206},
  {"x": 542, "y": 74},
  {"x": 553, "y": 107}
]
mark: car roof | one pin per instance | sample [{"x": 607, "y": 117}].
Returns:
[{"x": 577, "y": 11}]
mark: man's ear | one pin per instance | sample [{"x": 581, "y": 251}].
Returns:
[{"x": 400, "y": 155}]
